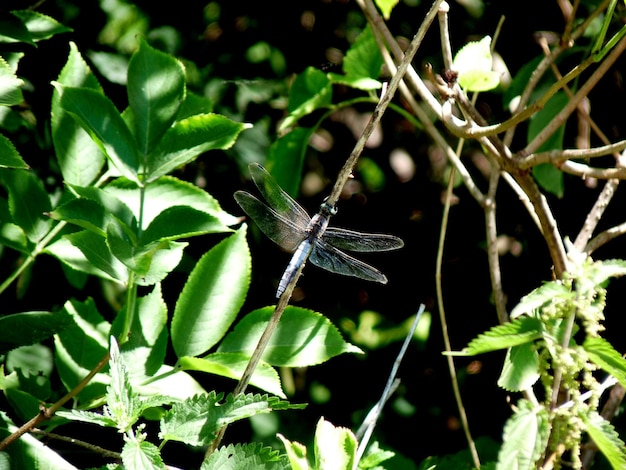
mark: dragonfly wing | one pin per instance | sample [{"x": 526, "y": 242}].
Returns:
[
  {"x": 276, "y": 197},
  {"x": 356, "y": 241},
  {"x": 330, "y": 258},
  {"x": 280, "y": 230}
]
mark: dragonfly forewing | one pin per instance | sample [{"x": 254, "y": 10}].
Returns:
[
  {"x": 361, "y": 242},
  {"x": 279, "y": 229},
  {"x": 276, "y": 197},
  {"x": 330, "y": 258}
]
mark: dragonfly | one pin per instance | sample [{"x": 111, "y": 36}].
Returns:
[{"x": 288, "y": 225}]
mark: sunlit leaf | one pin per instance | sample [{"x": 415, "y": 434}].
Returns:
[
  {"x": 302, "y": 338},
  {"x": 246, "y": 456},
  {"x": 212, "y": 296},
  {"x": 310, "y": 90},
  {"x": 474, "y": 65},
  {"x": 525, "y": 437},
  {"x": 521, "y": 368},
  {"x": 335, "y": 446},
  {"x": 606, "y": 438},
  {"x": 602, "y": 354},
  {"x": 540, "y": 296},
  {"x": 156, "y": 88}
]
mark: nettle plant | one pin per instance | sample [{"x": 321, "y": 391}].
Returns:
[{"x": 122, "y": 217}]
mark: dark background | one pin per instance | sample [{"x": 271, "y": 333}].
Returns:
[{"x": 218, "y": 47}]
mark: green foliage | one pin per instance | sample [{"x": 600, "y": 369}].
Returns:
[
  {"x": 474, "y": 65},
  {"x": 540, "y": 342},
  {"x": 122, "y": 217}
]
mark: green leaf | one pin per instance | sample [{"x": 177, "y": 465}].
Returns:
[
  {"x": 520, "y": 331},
  {"x": 474, "y": 65},
  {"x": 97, "y": 253},
  {"x": 232, "y": 365},
  {"x": 296, "y": 453},
  {"x": 74, "y": 260},
  {"x": 164, "y": 193},
  {"x": 140, "y": 455},
  {"x": 156, "y": 88},
  {"x": 541, "y": 296},
  {"x": 98, "y": 116},
  {"x": 335, "y": 447},
  {"x": 9, "y": 156},
  {"x": 549, "y": 177},
  {"x": 137, "y": 258},
  {"x": 87, "y": 214},
  {"x": 20, "y": 329},
  {"x": 302, "y": 338},
  {"x": 28, "y": 202},
  {"x": 144, "y": 351},
  {"x": 163, "y": 261},
  {"x": 521, "y": 368},
  {"x": 40, "y": 26},
  {"x": 212, "y": 296},
  {"x": 253, "y": 456},
  {"x": 190, "y": 137},
  {"x": 362, "y": 63},
  {"x": 285, "y": 159},
  {"x": 525, "y": 437},
  {"x": 88, "y": 417},
  {"x": 310, "y": 90},
  {"x": 606, "y": 438},
  {"x": 602, "y": 354},
  {"x": 181, "y": 222},
  {"x": 122, "y": 402},
  {"x": 12, "y": 30},
  {"x": 80, "y": 158},
  {"x": 601, "y": 271},
  {"x": 195, "y": 421},
  {"x": 10, "y": 85},
  {"x": 386, "y": 6},
  {"x": 29, "y": 452},
  {"x": 80, "y": 347}
]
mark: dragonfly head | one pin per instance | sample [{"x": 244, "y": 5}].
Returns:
[{"x": 328, "y": 208}]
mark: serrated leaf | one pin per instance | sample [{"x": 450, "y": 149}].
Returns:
[
  {"x": 335, "y": 447},
  {"x": 195, "y": 421},
  {"x": 253, "y": 456},
  {"x": 520, "y": 331},
  {"x": 73, "y": 259},
  {"x": 474, "y": 65},
  {"x": 521, "y": 368},
  {"x": 525, "y": 437},
  {"x": 86, "y": 214},
  {"x": 540, "y": 296},
  {"x": 156, "y": 88},
  {"x": 232, "y": 365},
  {"x": 602, "y": 354},
  {"x": 181, "y": 222},
  {"x": 9, "y": 156},
  {"x": 164, "y": 193},
  {"x": 40, "y": 26},
  {"x": 10, "y": 85},
  {"x": 21, "y": 329},
  {"x": 606, "y": 438},
  {"x": 12, "y": 30},
  {"x": 302, "y": 338},
  {"x": 88, "y": 417},
  {"x": 28, "y": 202},
  {"x": 144, "y": 350},
  {"x": 140, "y": 455},
  {"x": 98, "y": 116},
  {"x": 122, "y": 402},
  {"x": 79, "y": 157},
  {"x": 80, "y": 347},
  {"x": 212, "y": 296},
  {"x": 97, "y": 252},
  {"x": 310, "y": 90},
  {"x": 188, "y": 138}
]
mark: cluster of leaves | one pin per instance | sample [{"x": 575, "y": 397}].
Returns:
[
  {"x": 543, "y": 346},
  {"x": 123, "y": 218}
]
